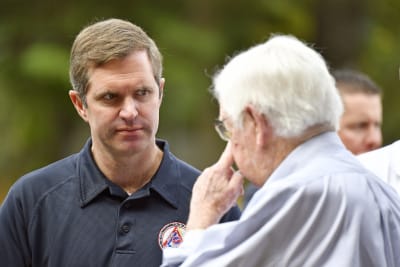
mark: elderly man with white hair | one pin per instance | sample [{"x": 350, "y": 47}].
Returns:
[{"x": 317, "y": 205}]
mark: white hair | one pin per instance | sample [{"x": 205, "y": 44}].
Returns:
[{"x": 285, "y": 80}]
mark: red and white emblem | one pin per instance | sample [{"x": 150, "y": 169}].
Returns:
[{"x": 171, "y": 235}]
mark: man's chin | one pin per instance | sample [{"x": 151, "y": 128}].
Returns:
[{"x": 130, "y": 147}]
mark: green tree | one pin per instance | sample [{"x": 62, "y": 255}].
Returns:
[{"x": 40, "y": 125}]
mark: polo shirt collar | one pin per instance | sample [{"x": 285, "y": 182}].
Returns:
[
  {"x": 166, "y": 180},
  {"x": 93, "y": 182}
]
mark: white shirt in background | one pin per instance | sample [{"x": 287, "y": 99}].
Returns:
[{"x": 385, "y": 163}]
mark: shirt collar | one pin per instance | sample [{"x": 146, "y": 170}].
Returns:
[
  {"x": 165, "y": 181},
  {"x": 326, "y": 143},
  {"x": 93, "y": 182}
]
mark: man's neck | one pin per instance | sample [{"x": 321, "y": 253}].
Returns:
[{"x": 130, "y": 172}]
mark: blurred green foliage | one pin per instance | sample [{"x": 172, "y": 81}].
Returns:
[{"x": 40, "y": 125}]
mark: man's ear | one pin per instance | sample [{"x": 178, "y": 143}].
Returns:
[
  {"x": 161, "y": 87},
  {"x": 262, "y": 127},
  {"x": 78, "y": 104}
]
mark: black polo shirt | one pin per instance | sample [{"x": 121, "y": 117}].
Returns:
[{"x": 69, "y": 214}]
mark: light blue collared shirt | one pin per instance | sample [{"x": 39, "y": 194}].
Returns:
[{"x": 320, "y": 207}]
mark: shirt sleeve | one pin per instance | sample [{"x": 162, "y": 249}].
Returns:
[
  {"x": 176, "y": 256},
  {"x": 14, "y": 243},
  {"x": 305, "y": 225}
]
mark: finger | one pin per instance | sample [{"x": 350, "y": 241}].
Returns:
[
  {"x": 237, "y": 180},
  {"x": 226, "y": 158}
]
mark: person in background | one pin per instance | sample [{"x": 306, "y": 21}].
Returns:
[
  {"x": 384, "y": 162},
  {"x": 124, "y": 197},
  {"x": 317, "y": 205},
  {"x": 360, "y": 124}
]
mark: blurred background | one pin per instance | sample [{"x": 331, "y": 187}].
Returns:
[{"x": 196, "y": 37}]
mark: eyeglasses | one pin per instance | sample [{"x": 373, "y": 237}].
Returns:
[{"x": 221, "y": 130}]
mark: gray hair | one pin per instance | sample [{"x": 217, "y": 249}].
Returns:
[{"x": 285, "y": 80}]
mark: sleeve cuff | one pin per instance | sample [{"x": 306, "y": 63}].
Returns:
[{"x": 176, "y": 256}]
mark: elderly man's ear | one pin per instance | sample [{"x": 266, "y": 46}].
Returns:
[{"x": 262, "y": 127}]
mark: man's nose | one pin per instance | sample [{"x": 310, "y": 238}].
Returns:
[
  {"x": 129, "y": 109},
  {"x": 374, "y": 138}
]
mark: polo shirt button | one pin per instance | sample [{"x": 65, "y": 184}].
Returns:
[{"x": 125, "y": 228}]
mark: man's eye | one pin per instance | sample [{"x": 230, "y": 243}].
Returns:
[
  {"x": 109, "y": 96},
  {"x": 143, "y": 92},
  {"x": 360, "y": 126}
]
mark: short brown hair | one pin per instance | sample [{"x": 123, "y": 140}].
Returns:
[
  {"x": 103, "y": 41},
  {"x": 352, "y": 81}
]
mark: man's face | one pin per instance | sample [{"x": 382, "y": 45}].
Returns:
[
  {"x": 360, "y": 125},
  {"x": 249, "y": 150},
  {"x": 123, "y": 102}
]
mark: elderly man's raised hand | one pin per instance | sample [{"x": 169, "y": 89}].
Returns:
[{"x": 215, "y": 192}]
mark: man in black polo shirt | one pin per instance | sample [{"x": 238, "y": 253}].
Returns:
[{"x": 124, "y": 197}]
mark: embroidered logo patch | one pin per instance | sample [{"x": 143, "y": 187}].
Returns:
[{"x": 171, "y": 235}]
